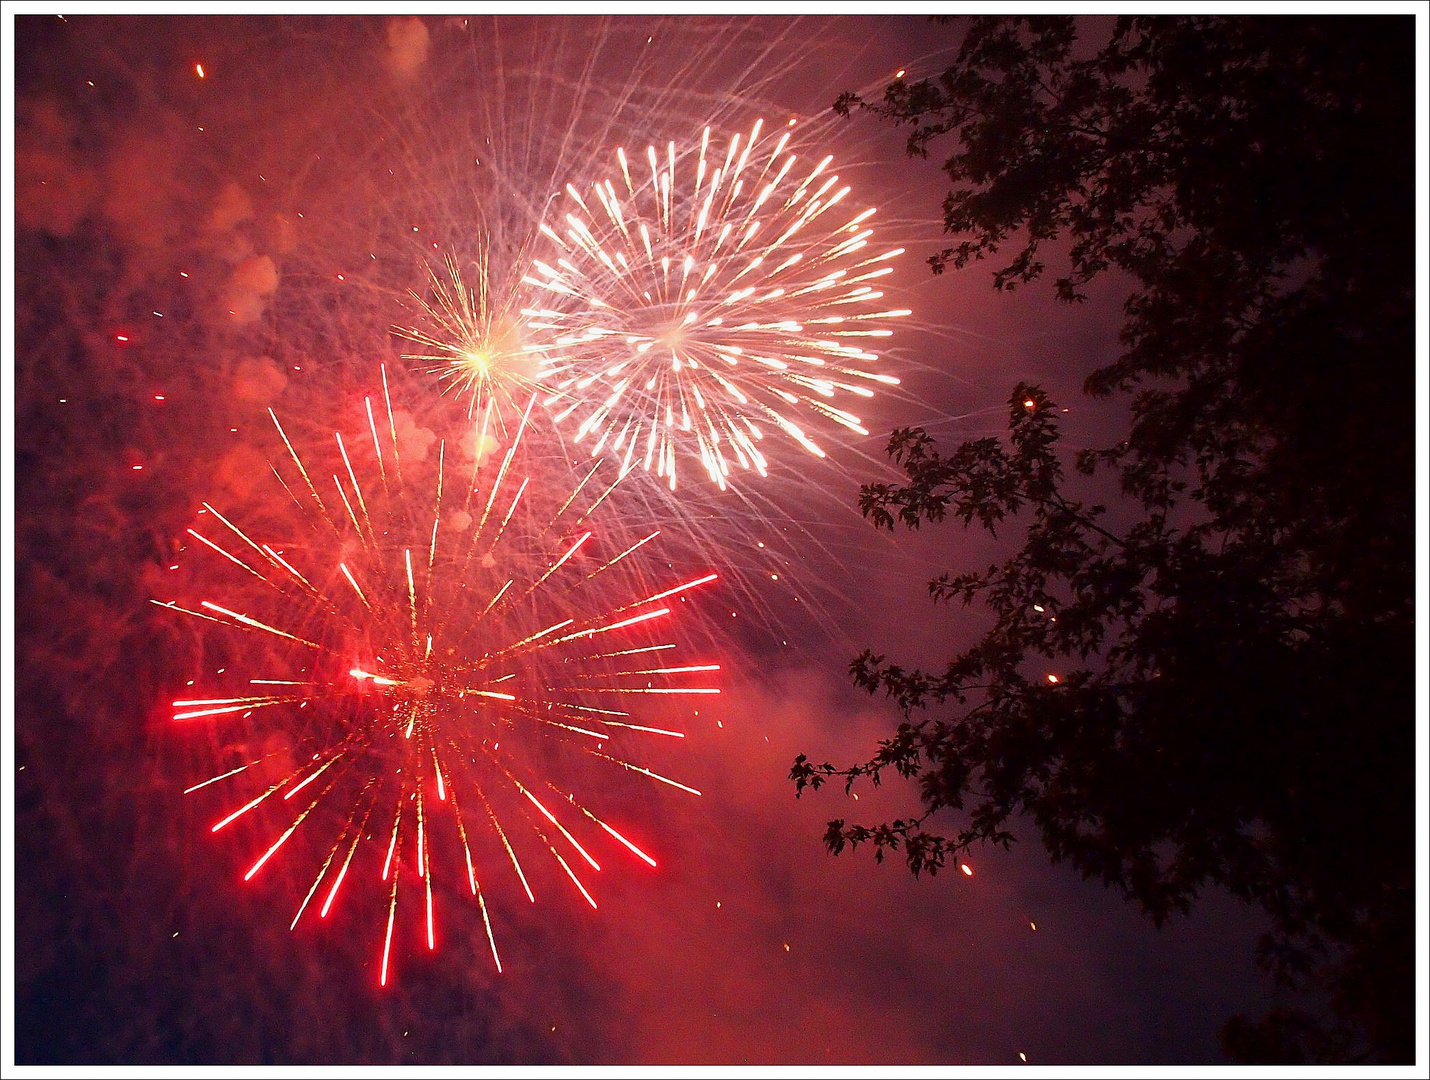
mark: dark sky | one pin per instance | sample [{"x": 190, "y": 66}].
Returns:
[{"x": 231, "y": 204}]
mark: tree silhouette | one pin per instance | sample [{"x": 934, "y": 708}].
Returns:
[{"x": 1212, "y": 684}]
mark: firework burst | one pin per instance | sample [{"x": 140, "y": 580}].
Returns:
[
  {"x": 704, "y": 295},
  {"x": 448, "y": 653},
  {"x": 473, "y": 341}
]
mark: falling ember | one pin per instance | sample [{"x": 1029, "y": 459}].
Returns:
[
  {"x": 696, "y": 300},
  {"x": 199, "y": 70},
  {"x": 968, "y": 870},
  {"x": 456, "y": 639}
]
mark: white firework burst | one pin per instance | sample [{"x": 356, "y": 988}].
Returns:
[{"x": 704, "y": 295}]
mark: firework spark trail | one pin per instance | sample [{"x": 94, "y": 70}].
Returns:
[
  {"x": 413, "y": 687},
  {"x": 679, "y": 312}
]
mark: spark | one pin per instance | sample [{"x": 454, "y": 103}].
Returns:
[{"x": 215, "y": 779}]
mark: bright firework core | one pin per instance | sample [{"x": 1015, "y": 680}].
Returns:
[
  {"x": 494, "y": 357},
  {"x": 701, "y": 296}
]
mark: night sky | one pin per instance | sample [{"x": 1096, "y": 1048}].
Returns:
[{"x": 193, "y": 248}]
